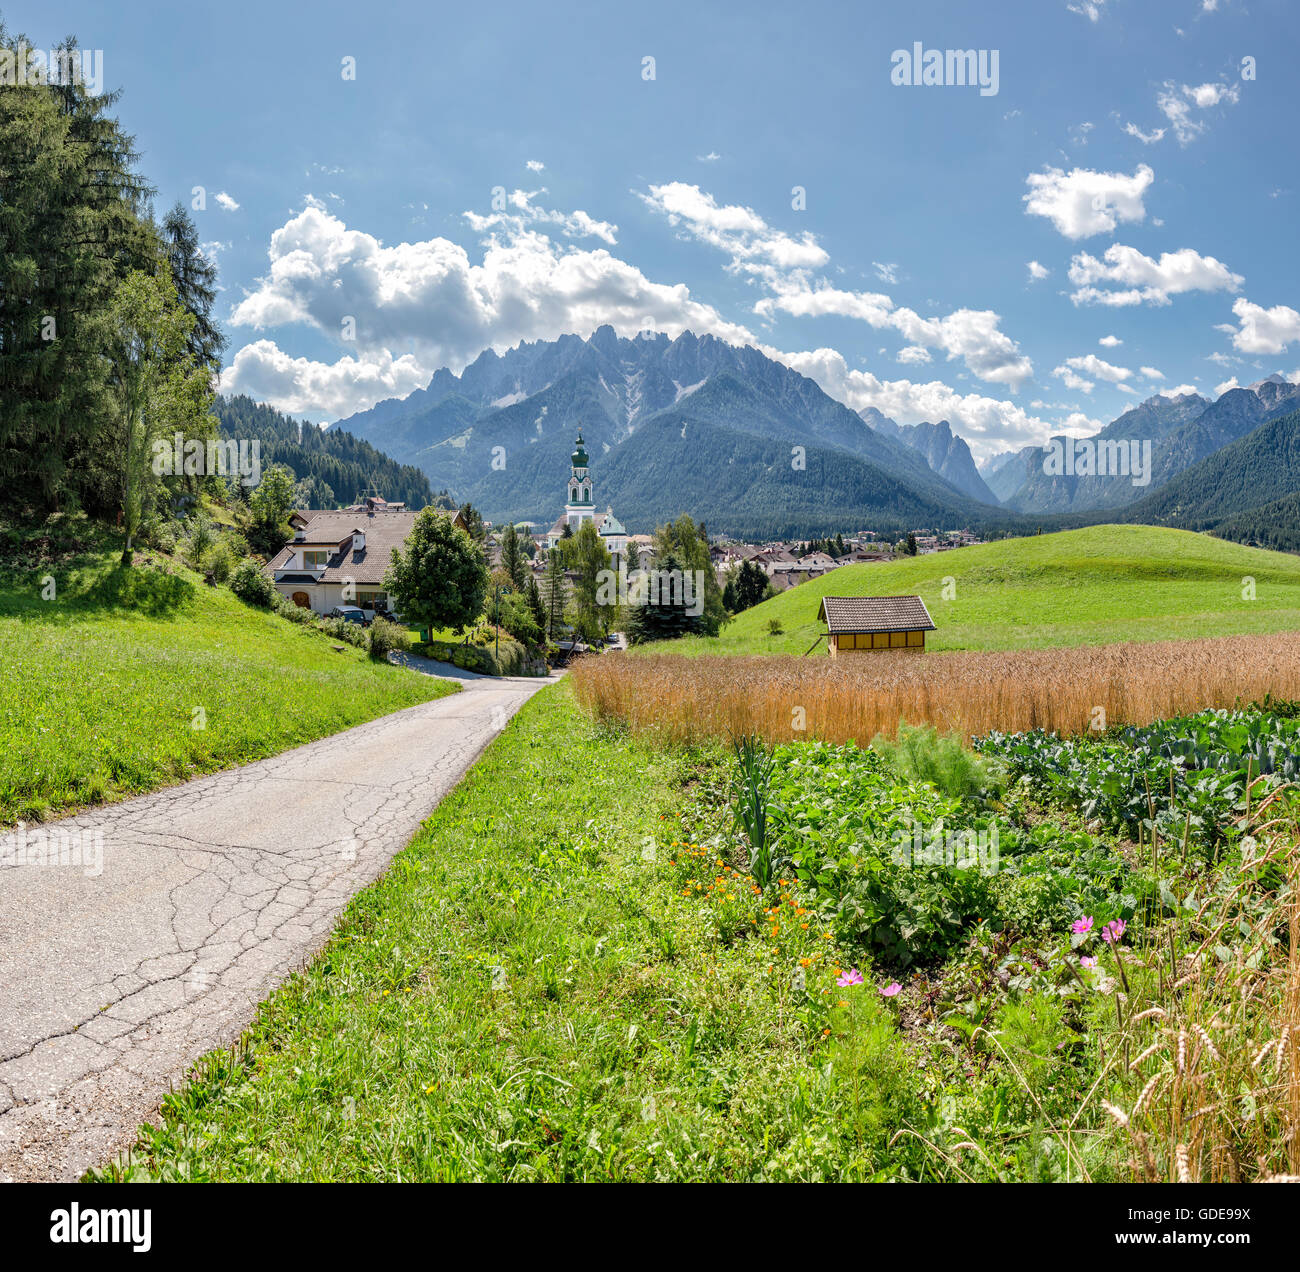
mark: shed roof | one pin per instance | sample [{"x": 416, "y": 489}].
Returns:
[{"x": 875, "y": 614}]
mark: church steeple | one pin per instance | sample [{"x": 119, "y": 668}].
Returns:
[{"x": 579, "y": 485}]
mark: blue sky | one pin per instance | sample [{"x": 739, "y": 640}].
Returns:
[{"x": 1125, "y": 153}]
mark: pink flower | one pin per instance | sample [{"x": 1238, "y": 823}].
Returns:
[
  {"x": 891, "y": 989},
  {"x": 1080, "y": 926},
  {"x": 1085, "y": 961},
  {"x": 851, "y": 977},
  {"x": 1113, "y": 931}
]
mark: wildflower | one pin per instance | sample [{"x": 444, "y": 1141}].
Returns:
[
  {"x": 805, "y": 962},
  {"x": 851, "y": 977},
  {"x": 1080, "y": 926},
  {"x": 1085, "y": 961},
  {"x": 1113, "y": 931},
  {"x": 891, "y": 989}
]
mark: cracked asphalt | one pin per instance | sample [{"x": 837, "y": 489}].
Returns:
[{"x": 211, "y": 892}]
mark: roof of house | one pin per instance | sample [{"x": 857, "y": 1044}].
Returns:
[
  {"x": 366, "y": 566},
  {"x": 606, "y": 523},
  {"x": 875, "y": 614}
]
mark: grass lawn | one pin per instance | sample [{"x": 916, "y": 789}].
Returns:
[
  {"x": 528, "y": 994},
  {"x": 131, "y": 679},
  {"x": 1080, "y": 587}
]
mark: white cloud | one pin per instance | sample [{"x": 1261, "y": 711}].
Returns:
[
  {"x": 1110, "y": 342},
  {"x": 1081, "y": 203},
  {"x": 1264, "y": 330},
  {"x": 1178, "y": 101},
  {"x": 711, "y": 157},
  {"x": 784, "y": 266},
  {"x": 535, "y": 165},
  {"x": 226, "y": 203},
  {"x": 431, "y": 298},
  {"x": 988, "y": 424},
  {"x": 1151, "y": 373},
  {"x": 1037, "y": 271},
  {"x": 301, "y": 386},
  {"x": 1072, "y": 372},
  {"x": 1146, "y": 138},
  {"x": 1229, "y": 383},
  {"x": 754, "y": 246},
  {"x": 1077, "y": 424},
  {"x": 1140, "y": 279},
  {"x": 886, "y": 273},
  {"x": 1179, "y": 390},
  {"x": 1090, "y": 9},
  {"x": 913, "y": 354},
  {"x": 571, "y": 224}
]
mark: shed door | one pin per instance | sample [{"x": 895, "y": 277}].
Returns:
[{"x": 302, "y": 600}]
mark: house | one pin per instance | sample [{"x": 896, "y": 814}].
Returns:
[
  {"x": 339, "y": 558},
  {"x": 861, "y": 623}
]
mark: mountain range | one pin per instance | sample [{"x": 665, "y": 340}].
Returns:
[
  {"x": 691, "y": 424},
  {"x": 753, "y": 448}
]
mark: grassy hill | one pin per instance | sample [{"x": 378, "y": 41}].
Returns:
[
  {"x": 130, "y": 679},
  {"x": 1079, "y": 587}
]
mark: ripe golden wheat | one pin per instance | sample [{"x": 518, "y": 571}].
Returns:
[{"x": 852, "y": 698}]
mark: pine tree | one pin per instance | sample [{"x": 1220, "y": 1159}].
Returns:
[
  {"x": 195, "y": 280},
  {"x": 512, "y": 556}
]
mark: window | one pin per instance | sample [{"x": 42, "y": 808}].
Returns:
[
  {"x": 368, "y": 600},
  {"x": 314, "y": 558}
]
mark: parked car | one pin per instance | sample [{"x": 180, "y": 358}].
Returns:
[{"x": 350, "y": 614}]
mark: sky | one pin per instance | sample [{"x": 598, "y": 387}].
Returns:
[{"x": 391, "y": 188}]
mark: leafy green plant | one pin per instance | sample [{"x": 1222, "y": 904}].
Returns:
[
  {"x": 750, "y": 792},
  {"x": 384, "y": 637},
  {"x": 249, "y": 582},
  {"x": 921, "y": 754}
]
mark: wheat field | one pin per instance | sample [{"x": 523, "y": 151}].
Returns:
[{"x": 855, "y": 697}]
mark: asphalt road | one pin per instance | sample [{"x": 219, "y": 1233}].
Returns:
[{"x": 206, "y": 896}]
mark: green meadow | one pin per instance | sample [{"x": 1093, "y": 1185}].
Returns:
[
  {"x": 1080, "y": 587},
  {"x": 127, "y": 679}
]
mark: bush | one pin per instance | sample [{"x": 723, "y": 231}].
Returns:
[
  {"x": 341, "y": 629},
  {"x": 921, "y": 754},
  {"x": 219, "y": 561},
  {"x": 385, "y": 637},
  {"x": 252, "y": 585}
]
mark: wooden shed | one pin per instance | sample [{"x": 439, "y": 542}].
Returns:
[{"x": 858, "y": 624}]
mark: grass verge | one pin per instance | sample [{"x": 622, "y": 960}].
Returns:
[{"x": 121, "y": 680}]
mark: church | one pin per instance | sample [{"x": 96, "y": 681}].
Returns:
[{"x": 580, "y": 508}]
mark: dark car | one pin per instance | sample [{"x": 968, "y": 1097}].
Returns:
[{"x": 350, "y": 614}]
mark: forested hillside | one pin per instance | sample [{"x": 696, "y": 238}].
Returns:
[{"x": 333, "y": 468}]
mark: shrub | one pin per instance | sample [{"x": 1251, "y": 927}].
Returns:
[
  {"x": 252, "y": 585},
  {"x": 922, "y": 754},
  {"x": 341, "y": 629},
  {"x": 774, "y": 627},
  {"x": 385, "y": 637},
  {"x": 219, "y": 561}
]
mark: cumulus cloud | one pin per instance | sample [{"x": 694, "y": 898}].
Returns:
[
  {"x": 988, "y": 424},
  {"x": 432, "y": 298},
  {"x": 1090, "y": 9},
  {"x": 1229, "y": 383},
  {"x": 1178, "y": 101},
  {"x": 1072, "y": 372},
  {"x": 753, "y": 245},
  {"x": 522, "y": 212},
  {"x": 913, "y": 354},
  {"x": 1130, "y": 278},
  {"x": 1037, "y": 271},
  {"x": 535, "y": 165},
  {"x": 1151, "y": 373},
  {"x": 1082, "y": 203},
  {"x": 885, "y": 272},
  {"x": 1264, "y": 330},
  {"x": 1110, "y": 342},
  {"x": 785, "y": 268},
  {"x": 225, "y": 202}
]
